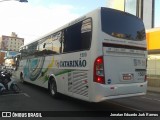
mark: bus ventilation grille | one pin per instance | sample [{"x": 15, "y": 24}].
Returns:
[{"x": 78, "y": 83}]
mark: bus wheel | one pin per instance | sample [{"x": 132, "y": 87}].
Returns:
[
  {"x": 21, "y": 78},
  {"x": 53, "y": 88}
]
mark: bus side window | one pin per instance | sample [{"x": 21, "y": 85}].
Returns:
[
  {"x": 72, "y": 38},
  {"x": 56, "y": 42},
  {"x": 61, "y": 40},
  {"x": 86, "y": 33},
  {"x": 77, "y": 37}
]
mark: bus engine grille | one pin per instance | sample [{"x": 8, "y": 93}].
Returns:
[{"x": 78, "y": 83}]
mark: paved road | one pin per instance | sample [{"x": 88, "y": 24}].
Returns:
[{"x": 33, "y": 98}]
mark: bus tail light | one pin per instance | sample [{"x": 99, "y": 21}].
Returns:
[
  {"x": 145, "y": 78},
  {"x": 99, "y": 70}
]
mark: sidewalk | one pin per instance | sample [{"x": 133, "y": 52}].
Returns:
[{"x": 153, "y": 89}]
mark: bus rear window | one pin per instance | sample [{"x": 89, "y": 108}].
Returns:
[{"x": 122, "y": 25}]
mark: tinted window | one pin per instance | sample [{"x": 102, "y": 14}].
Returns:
[
  {"x": 50, "y": 44},
  {"x": 122, "y": 25},
  {"x": 32, "y": 47},
  {"x": 29, "y": 49},
  {"x": 78, "y": 36}
]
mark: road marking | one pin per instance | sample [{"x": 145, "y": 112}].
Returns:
[
  {"x": 125, "y": 106},
  {"x": 25, "y": 94},
  {"x": 151, "y": 99}
]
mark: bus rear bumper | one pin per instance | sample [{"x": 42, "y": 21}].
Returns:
[
  {"x": 121, "y": 96},
  {"x": 105, "y": 92}
]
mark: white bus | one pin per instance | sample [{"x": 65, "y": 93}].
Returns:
[{"x": 102, "y": 55}]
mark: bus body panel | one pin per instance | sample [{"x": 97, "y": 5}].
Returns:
[
  {"x": 123, "y": 67},
  {"x": 124, "y": 63},
  {"x": 74, "y": 72},
  {"x": 70, "y": 73}
]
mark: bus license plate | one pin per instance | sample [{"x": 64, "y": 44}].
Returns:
[{"x": 127, "y": 76}]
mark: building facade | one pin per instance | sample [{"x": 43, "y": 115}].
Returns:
[
  {"x": 11, "y": 43},
  {"x": 9, "y": 46},
  {"x": 2, "y": 55},
  {"x": 146, "y": 10},
  {"x": 143, "y": 9},
  {"x": 153, "y": 68}
]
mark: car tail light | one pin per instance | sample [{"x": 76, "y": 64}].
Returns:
[{"x": 99, "y": 70}]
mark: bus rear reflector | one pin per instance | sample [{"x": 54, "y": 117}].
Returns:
[{"x": 99, "y": 70}]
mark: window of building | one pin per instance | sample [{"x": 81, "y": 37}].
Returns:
[
  {"x": 156, "y": 13},
  {"x": 131, "y": 6},
  {"x": 116, "y": 4}
]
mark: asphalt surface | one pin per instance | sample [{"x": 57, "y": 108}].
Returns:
[{"x": 34, "y": 98}]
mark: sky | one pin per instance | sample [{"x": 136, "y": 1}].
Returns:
[{"x": 38, "y": 17}]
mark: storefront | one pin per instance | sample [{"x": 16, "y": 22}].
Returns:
[
  {"x": 153, "y": 46},
  {"x": 153, "y": 65}
]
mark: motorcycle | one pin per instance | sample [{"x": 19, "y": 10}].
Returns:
[{"x": 7, "y": 84}]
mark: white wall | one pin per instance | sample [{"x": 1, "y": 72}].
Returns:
[{"x": 147, "y": 13}]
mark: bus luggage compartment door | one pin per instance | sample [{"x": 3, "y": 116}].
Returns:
[
  {"x": 122, "y": 75},
  {"x": 124, "y": 69}
]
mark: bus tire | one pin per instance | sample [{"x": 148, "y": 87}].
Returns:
[
  {"x": 21, "y": 78},
  {"x": 53, "y": 88}
]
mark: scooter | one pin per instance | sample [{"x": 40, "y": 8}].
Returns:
[{"x": 7, "y": 84}]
